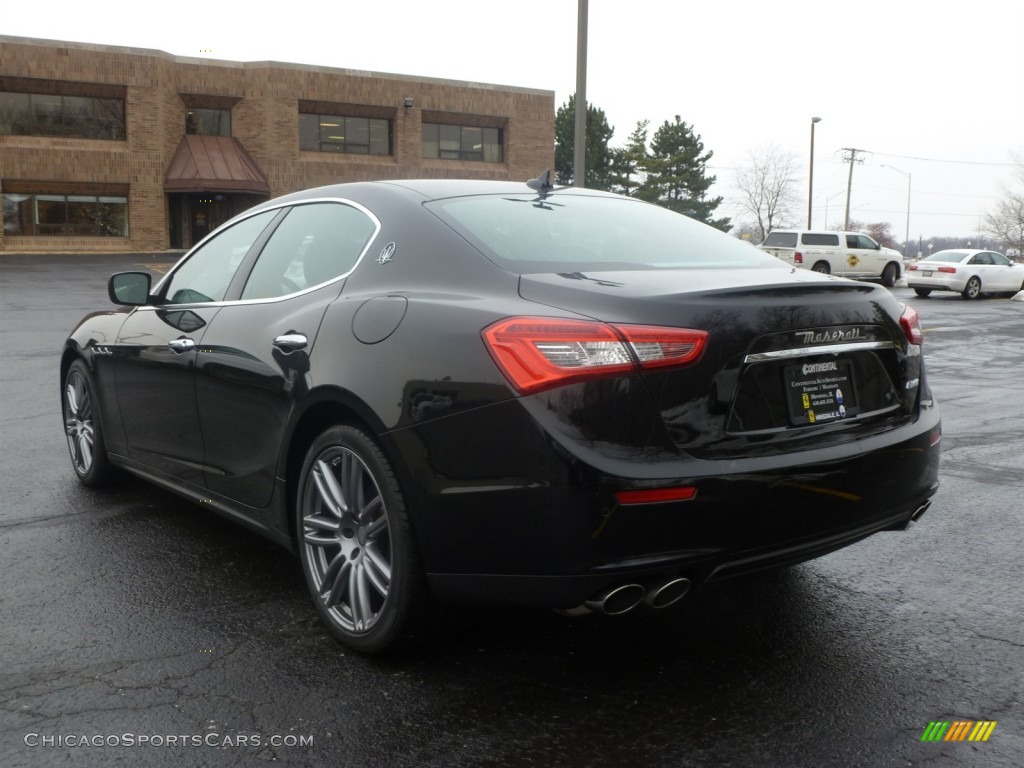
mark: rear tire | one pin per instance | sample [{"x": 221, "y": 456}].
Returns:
[
  {"x": 822, "y": 267},
  {"x": 356, "y": 545},
  {"x": 890, "y": 275},
  {"x": 924, "y": 293},
  {"x": 973, "y": 289},
  {"x": 82, "y": 427}
]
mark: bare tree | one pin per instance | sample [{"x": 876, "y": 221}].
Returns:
[
  {"x": 1006, "y": 222},
  {"x": 767, "y": 185}
]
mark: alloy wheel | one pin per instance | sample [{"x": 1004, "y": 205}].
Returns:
[
  {"x": 347, "y": 539},
  {"x": 78, "y": 422}
]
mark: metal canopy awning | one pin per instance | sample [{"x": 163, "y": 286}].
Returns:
[{"x": 214, "y": 164}]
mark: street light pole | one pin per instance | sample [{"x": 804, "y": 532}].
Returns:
[
  {"x": 810, "y": 174},
  {"x": 906, "y": 236}
]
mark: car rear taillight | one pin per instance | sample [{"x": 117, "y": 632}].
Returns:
[
  {"x": 913, "y": 268},
  {"x": 910, "y": 322},
  {"x": 950, "y": 270},
  {"x": 536, "y": 353},
  {"x": 798, "y": 258}
]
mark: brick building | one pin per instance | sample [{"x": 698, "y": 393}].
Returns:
[{"x": 105, "y": 148}]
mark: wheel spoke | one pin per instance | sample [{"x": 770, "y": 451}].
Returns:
[
  {"x": 72, "y": 398},
  {"x": 323, "y": 523},
  {"x": 374, "y": 529},
  {"x": 351, "y": 480},
  {"x": 84, "y": 452},
  {"x": 378, "y": 570},
  {"x": 339, "y": 572},
  {"x": 369, "y": 511},
  {"x": 330, "y": 492}
]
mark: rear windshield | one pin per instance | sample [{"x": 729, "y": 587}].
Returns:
[
  {"x": 946, "y": 256},
  {"x": 570, "y": 232},
  {"x": 781, "y": 240}
]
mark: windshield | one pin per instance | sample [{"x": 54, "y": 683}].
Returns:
[{"x": 559, "y": 233}]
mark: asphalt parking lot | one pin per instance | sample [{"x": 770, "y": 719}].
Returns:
[{"x": 159, "y": 634}]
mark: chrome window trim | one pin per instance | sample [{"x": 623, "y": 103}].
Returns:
[
  {"x": 248, "y": 214},
  {"x": 824, "y": 349}
]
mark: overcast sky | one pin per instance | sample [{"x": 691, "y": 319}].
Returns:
[{"x": 935, "y": 93}]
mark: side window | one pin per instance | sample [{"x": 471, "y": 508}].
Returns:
[
  {"x": 981, "y": 258},
  {"x": 315, "y": 243},
  {"x": 208, "y": 272},
  {"x": 1000, "y": 260},
  {"x": 852, "y": 241},
  {"x": 819, "y": 238}
]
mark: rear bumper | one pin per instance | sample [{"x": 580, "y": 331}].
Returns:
[{"x": 538, "y": 523}]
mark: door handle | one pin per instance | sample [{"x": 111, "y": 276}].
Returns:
[
  {"x": 181, "y": 345},
  {"x": 291, "y": 342}
]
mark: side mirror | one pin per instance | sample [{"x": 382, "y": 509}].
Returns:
[{"x": 129, "y": 288}]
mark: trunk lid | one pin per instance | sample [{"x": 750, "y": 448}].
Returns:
[{"x": 793, "y": 360}]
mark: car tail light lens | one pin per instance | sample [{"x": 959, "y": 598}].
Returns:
[
  {"x": 798, "y": 258},
  {"x": 910, "y": 321},
  {"x": 950, "y": 270},
  {"x": 656, "y": 495},
  {"x": 536, "y": 353},
  {"x": 913, "y": 268}
]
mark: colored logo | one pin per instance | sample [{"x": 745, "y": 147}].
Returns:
[{"x": 958, "y": 730}]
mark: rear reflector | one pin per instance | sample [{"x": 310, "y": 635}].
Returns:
[
  {"x": 536, "y": 353},
  {"x": 910, "y": 322},
  {"x": 656, "y": 495}
]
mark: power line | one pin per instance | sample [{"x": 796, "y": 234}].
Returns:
[{"x": 956, "y": 162}]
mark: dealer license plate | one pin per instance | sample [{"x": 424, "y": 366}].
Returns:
[{"x": 820, "y": 392}]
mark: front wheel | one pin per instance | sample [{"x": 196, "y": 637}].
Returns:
[
  {"x": 82, "y": 427},
  {"x": 356, "y": 544},
  {"x": 890, "y": 274},
  {"x": 973, "y": 289}
]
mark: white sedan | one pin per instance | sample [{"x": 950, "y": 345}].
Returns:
[{"x": 967, "y": 272}]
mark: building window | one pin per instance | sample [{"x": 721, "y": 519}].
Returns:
[
  {"x": 208, "y": 122},
  {"x": 51, "y": 114},
  {"x": 337, "y": 133},
  {"x": 66, "y": 215},
  {"x": 462, "y": 142}
]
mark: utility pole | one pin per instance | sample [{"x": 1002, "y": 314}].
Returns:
[
  {"x": 579, "y": 165},
  {"x": 850, "y": 158}
]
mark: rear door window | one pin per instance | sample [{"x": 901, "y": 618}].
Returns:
[{"x": 315, "y": 243}]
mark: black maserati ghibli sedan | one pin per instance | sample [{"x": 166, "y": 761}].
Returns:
[{"x": 441, "y": 391}]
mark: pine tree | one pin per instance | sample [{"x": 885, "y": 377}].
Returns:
[
  {"x": 598, "y": 155},
  {"x": 628, "y": 162},
  {"x": 676, "y": 174}
]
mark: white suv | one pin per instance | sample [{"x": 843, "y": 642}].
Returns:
[{"x": 847, "y": 254}]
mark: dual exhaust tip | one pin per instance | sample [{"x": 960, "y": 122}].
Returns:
[{"x": 623, "y": 598}]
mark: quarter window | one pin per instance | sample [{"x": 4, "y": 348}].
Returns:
[
  {"x": 208, "y": 272},
  {"x": 314, "y": 244},
  {"x": 338, "y": 133},
  {"x": 462, "y": 142}
]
